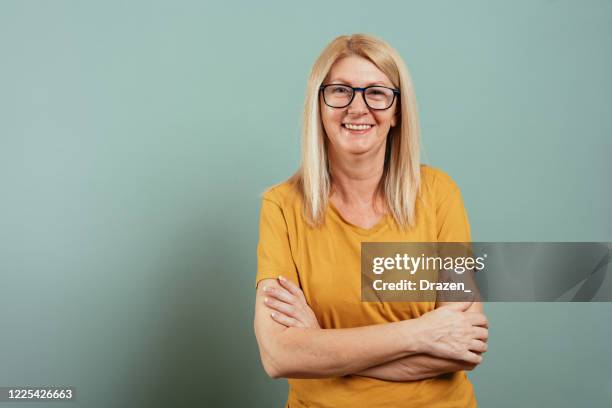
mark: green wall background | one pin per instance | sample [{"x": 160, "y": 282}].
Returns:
[{"x": 136, "y": 137}]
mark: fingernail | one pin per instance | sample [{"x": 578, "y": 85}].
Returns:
[
  {"x": 281, "y": 277},
  {"x": 266, "y": 300},
  {"x": 273, "y": 314}
]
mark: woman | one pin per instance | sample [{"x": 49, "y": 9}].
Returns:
[{"x": 360, "y": 180}]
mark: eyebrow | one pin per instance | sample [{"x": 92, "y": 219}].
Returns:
[{"x": 344, "y": 81}]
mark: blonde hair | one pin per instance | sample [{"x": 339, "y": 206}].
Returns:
[{"x": 401, "y": 179}]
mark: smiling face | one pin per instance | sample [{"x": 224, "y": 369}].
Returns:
[{"x": 357, "y": 129}]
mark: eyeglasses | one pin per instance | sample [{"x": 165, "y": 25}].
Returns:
[{"x": 376, "y": 97}]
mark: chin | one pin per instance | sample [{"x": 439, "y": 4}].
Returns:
[{"x": 357, "y": 148}]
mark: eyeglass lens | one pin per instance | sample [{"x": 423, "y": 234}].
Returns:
[{"x": 340, "y": 96}]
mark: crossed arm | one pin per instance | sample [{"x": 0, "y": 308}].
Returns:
[
  {"x": 421, "y": 366},
  {"x": 291, "y": 343}
]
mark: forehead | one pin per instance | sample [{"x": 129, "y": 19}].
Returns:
[{"x": 357, "y": 71}]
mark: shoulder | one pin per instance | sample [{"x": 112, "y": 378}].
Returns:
[
  {"x": 437, "y": 181},
  {"x": 284, "y": 194}
]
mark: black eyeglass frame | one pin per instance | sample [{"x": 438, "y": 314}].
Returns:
[{"x": 363, "y": 91}]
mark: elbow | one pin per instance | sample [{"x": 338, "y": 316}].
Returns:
[
  {"x": 275, "y": 369},
  {"x": 277, "y": 365},
  {"x": 267, "y": 351},
  {"x": 277, "y": 354},
  {"x": 271, "y": 367}
]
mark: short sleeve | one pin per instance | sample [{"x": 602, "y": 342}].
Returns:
[
  {"x": 451, "y": 216},
  {"x": 274, "y": 256}
]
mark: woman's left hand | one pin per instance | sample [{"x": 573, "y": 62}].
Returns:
[{"x": 289, "y": 305}]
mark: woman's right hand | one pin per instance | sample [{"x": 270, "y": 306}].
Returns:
[{"x": 451, "y": 332}]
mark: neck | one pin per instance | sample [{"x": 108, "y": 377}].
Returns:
[{"x": 356, "y": 178}]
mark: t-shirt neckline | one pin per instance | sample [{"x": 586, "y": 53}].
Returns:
[{"x": 363, "y": 231}]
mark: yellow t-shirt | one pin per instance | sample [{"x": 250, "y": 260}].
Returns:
[{"x": 325, "y": 262}]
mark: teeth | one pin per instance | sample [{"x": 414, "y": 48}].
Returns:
[{"x": 357, "y": 127}]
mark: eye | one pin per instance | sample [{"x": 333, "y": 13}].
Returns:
[{"x": 340, "y": 90}]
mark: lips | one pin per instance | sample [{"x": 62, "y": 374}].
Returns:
[
  {"x": 353, "y": 126},
  {"x": 357, "y": 128}
]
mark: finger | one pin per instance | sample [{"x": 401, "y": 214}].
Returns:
[
  {"x": 458, "y": 306},
  {"x": 279, "y": 306},
  {"x": 477, "y": 319},
  {"x": 468, "y": 366},
  {"x": 281, "y": 294},
  {"x": 290, "y": 286},
  {"x": 480, "y": 333},
  {"x": 472, "y": 358},
  {"x": 479, "y": 346},
  {"x": 284, "y": 319}
]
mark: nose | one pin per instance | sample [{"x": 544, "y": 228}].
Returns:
[{"x": 358, "y": 104}]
